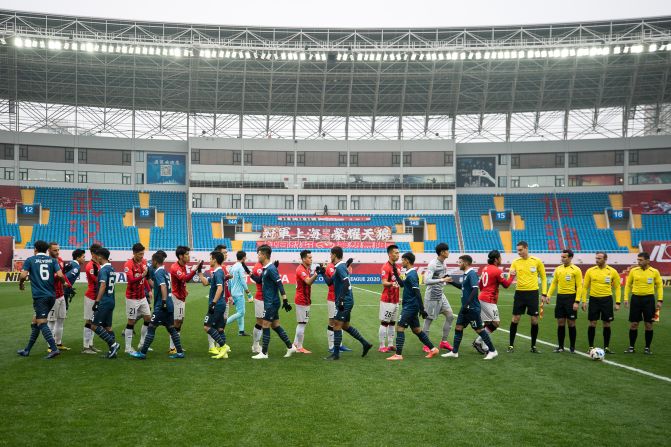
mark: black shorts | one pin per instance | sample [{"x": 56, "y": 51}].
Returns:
[
  {"x": 600, "y": 309},
  {"x": 162, "y": 318},
  {"x": 271, "y": 312},
  {"x": 42, "y": 307},
  {"x": 471, "y": 317},
  {"x": 215, "y": 319},
  {"x": 525, "y": 301},
  {"x": 409, "y": 319},
  {"x": 344, "y": 315},
  {"x": 103, "y": 316},
  {"x": 642, "y": 307},
  {"x": 564, "y": 307}
]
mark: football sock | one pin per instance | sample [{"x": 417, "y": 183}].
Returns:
[
  {"x": 382, "y": 335},
  {"x": 172, "y": 345},
  {"x": 633, "y": 333},
  {"x": 447, "y": 326},
  {"x": 648, "y": 338},
  {"x": 390, "y": 333},
  {"x": 337, "y": 341},
  {"x": 561, "y": 335},
  {"x": 58, "y": 331},
  {"x": 513, "y": 332},
  {"x": 591, "y": 332},
  {"x": 266, "y": 339},
  {"x": 423, "y": 338},
  {"x": 215, "y": 334},
  {"x": 457, "y": 340},
  {"x": 427, "y": 326},
  {"x": 572, "y": 335},
  {"x": 488, "y": 340},
  {"x": 534, "y": 334},
  {"x": 283, "y": 335},
  {"x": 400, "y": 341},
  {"x": 210, "y": 341},
  {"x": 176, "y": 339},
  {"x": 300, "y": 334},
  {"x": 329, "y": 336},
  {"x": 148, "y": 339},
  {"x": 128, "y": 337},
  {"x": 143, "y": 332},
  {"x": 34, "y": 333},
  {"x": 354, "y": 333},
  {"x": 88, "y": 336},
  {"x": 606, "y": 337},
  {"x": 106, "y": 336},
  {"x": 256, "y": 334},
  {"x": 48, "y": 336}
]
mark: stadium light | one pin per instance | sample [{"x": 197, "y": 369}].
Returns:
[
  {"x": 652, "y": 48},
  {"x": 638, "y": 48}
]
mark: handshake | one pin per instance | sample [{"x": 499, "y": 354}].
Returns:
[{"x": 320, "y": 269}]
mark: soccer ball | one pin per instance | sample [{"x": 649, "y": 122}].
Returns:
[{"x": 597, "y": 354}]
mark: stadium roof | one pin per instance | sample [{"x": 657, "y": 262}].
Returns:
[{"x": 334, "y": 72}]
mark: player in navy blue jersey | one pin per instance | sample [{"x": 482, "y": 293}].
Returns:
[
  {"x": 214, "y": 323},
  {"x": 271, "y": 284},
  {"x": 43, "y": 271},
  {"x": 412, "y": 307},
  {"x": 103, "y": 307},
  {"x": 470, "y": 309},
  {"x": 163, "y": 314},
  {"x": 344, "y": 301}
]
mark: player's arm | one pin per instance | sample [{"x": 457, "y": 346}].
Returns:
[
  {"x": 586, "y": 285},
  {"x": 328, "y": 280},
  {"x": 278, "y": 279},
  {"x": 311, "y": 279},
  {"x": 203, "y": 279},
  {"x": 544, "y": 280},
  {"x": 505, "y": 282},
  {"x": 130, "y": 278},
  {"x": 193, "y": 272},
  {"x": 217, "y": 295},
  {"x": 242, "y": 279},
  {"x": 474, "y": 293},
  {"x": 386, "y": 283},
  {"x": 428, "y": 275},
  {"x": 578, "y": 288},
  {"x": 24, "y": 275},
  {"x": 615, "y": 281},
  {"x": 660, "y": 290},
  {"x": 340, "y": 300},
  {"x": 553, "y": 285},
  {"x": 102, "y": 288}
]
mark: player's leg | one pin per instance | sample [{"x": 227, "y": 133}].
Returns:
[
  {"x": 518, "y": 308},
  {"x": 635, "y": 317},
  {"x": 102, "y": 326},
  {"x": 279, "y": 330},
  {"x": 390, "y": 327},
  {"x": 354, "y": 333},
  {"x": 337, "y": 337},
  {"x": 258, "y": 327},
  {"x": 446, "y": 310},
  {"x": 593, "y": 314},
  {"x": 423, "y": 338},
  {"x": 533, "y": 311},
  {"x": 87, "y": 336},
  {"x": 561, "y": 332},
  {"x": 42, "y": 307},
  {"x": 303, "y": 316},
  {"x": 61, "y": 315},
  {"x": 34, "y": 334},
  {"x": 462, "y": 320},
  {"x": 382, "y": 329},
  {"x": 489, "y": 314},
  {"x": 268, "y": 317},
  {"x": 487, "y": 340},
  {"x": 179, "y": 311},
  {"x": 648, "y": 304},
  {"x": 131, "y": 316},
  {"x": 239, "y": 315}
]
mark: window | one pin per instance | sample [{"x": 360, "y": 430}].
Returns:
[
  {"x": 82, "y": 177},
  {"x": 447, "y": 202},
  {"x": 342, "y": 159},
  {"x": 126, "y": 157},
  {"x": 289, "y": 202},
  {"x": 514, "y": 182},
  {"x": 515, "y": 161},
  {"x": 23, "y": 174},
  {"x": 354, "y": 159},
  {"x": 342, "y": 202},
  {"x": 503, "y": 159},
  {"x": 195, "y": 157},
  {"x": 8, "y": 152},
  {"x": 302, "y": 202},
  {"x": 196, "y": 201},
  {"x": 235, "y": 203},
  {"x": 237, "y": 156},
  {"x": 289, "y": 158},
  {"x": 395, "y": 202},
  {"x": 125, "y": 179},
  {"x": 407, "y": 202},
  {"x": 449, "y": 159},
  {"x": 619, "y": 158},
  {"x": 559, "y": 160},
  {"x": 83, "y": 156},
  {"x": 559, "y": 181},
  {"x": 503, "y": 181},
  {"x": 355, "y": 202},
  {"x": 139, "y": 178},
  {"x": 8, "y": 173},
  {"x": 300, "y": 159},
  {"x": 69, "y": 155},
  {"x": 573, "y": 160},
  {"x": 249, "y": 201},
  {"x": 633, "y": 157},
  {"x": 23, "y": 152},
  {"x": 396, "y": 159},
  {"x": 248, "y": 158},
  {"x": 139, "y": 156},
  {"x": 407, "y": 159},
  {"x": 69, "y": 176}
]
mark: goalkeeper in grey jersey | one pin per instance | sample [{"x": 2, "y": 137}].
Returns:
[{"x": 435, "y": 301}]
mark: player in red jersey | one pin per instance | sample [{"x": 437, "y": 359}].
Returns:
[
  {"x": 389, "y": 300},
  {"x": 491, "y": 277},
  {"x": 59, "y": 311},
  {"x": 137, "y": 305},
  {"x": 92, "y": 268},
  {"x": 304, "y": 280},
  {"x": 179, "y": 278}
]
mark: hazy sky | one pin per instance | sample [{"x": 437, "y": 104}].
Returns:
[{"x": 352, "y": 13}]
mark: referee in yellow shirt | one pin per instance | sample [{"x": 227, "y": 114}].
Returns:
[
  {"x": 529, "y": 270},
  {"x": 642, "y": 282},
  {"x": 567, "y": 280},
  {"x": 603, "y": 282}
]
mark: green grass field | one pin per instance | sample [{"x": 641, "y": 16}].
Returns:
[{"x": 517, "y": 399}]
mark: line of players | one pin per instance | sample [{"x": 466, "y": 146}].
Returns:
[{"x": 52, "y": 292}]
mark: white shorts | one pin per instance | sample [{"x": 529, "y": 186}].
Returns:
[
  {"x": 258, "y": 308},
  {"x": 88, "y": 309},
  {"x": 302, "y": 313},
  {"x": 332, "y": 309},
  {"x": 135, "y": 309},
  {"x": 437, "y": 307},
  {"x": 179, "y": 306},
  {"x": 489, "y": 312},
  {"x": 58, "y": 310},
  {"x": 388, "y": 312}
]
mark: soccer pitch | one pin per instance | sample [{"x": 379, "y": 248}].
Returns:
[{"x": 516, "y": 399}]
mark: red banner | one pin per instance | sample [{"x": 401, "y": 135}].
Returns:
[
  {"x": 333, "y": 234},
  {"x": 306, "y": 245},
  {"x": 660, "y": 255},
  {"x": 6, "y": 252},
  {"x": 324, "y": 218}
]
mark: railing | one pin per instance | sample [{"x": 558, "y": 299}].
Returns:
[{"x": 379, "y": 185}]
